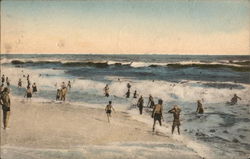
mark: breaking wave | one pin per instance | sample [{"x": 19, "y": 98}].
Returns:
[{"x": 239, "y": 66}]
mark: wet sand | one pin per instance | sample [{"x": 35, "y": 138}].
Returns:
[{"x": 45, "y": 129}]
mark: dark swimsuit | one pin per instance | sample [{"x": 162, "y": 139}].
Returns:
[
  {"x": 29, "y": 95},
  {"x": 108, "y": 111},
  {"x": 5, "y": 108},
  {"x": 34, "y": 89}
]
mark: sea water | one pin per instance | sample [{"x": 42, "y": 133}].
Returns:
[{"x": 176, "y": 79}]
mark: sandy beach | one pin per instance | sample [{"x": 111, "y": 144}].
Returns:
[{"x": 53, "y": 130}]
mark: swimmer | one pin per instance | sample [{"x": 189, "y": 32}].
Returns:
[{"x": 109, "y": 109}]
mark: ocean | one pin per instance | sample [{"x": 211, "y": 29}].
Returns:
[{"x": 176, "y": 79}]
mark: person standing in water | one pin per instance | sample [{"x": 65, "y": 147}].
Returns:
[
  {"x": 58, "y": 94},
  {"x": 128, "y": 85},
  {"x": 7, "y": 81},
  {"x": 28, "y": 93},
  {"x": 176, "y": 114},
  {"x": 157, "y": 113},
  {"x": 234, "y": 100},
  {"x": 5, "y": 102},
  {"x": 28, "y": 83},
  {"x": 135, "y": 94},
  {"x": 140, "y": 104},
  {"x": 128, "y": 93},
  {"x": 34, "y": 88},
  {"x": 109, "y": 109},
  {"x": 19, "y": 83},
  {"x": 199, "y": 109},
  {"x": 151, "y": 102},
  {"x": 3, "y": 79},
  {"x": 69, "y": 84},
  {"x": 106, "y": 90}
]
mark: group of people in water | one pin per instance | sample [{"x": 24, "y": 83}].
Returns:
[
  {"x": 157, "y": 109},
  {"x": 62, "y": 91}
]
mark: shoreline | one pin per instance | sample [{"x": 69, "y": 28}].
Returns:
[{"x": 55, "y": 127}]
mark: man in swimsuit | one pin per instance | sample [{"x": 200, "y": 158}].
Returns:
[
  {"x": 34, "y": 88},
  {"x": 58, "y": 94},
  {"x": 128, "y": 86},
  {"x": 19, "y": 83},
  {"x": 7, "y": 81},
  {"x": 128, "y": 93},
  {"x": 157, "y": 113},
  {"x": 176, "y": 114},
  {"x": 109, "y": 109},
  {"x": 234, "y": 100},
  {"x": 151, "y": 102},
  {"x": 28, "y": 93},
  {"x": 69, "y": 84},
  {"x": 140, "y": 104},
  {"x": 5, "y": 102},
  {"x": 3, "y": 79},
  {"x": 106, "y": 90},
  {"x": 28, "y": 83},
  {"x": 135, "y": 94},
  {"x": 199, "y": 109}
]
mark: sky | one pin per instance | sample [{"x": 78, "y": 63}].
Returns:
[{"x": 126, "y": 26}]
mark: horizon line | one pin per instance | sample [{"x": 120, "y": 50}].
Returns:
[{"x": 123, "y": 54}]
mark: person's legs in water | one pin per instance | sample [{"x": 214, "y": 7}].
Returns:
[
  {"x": 159, "y": 121},
  {"x": 140, "y": 110},
  {"x": 178, "y": 127},
  {"x": 106, "y": 94},
  {"x": 154, "y": 125},
  {"x": 173, "y": 126},
  {"x": 157, "y": 117},
  {"x": 108, "y": 117}
]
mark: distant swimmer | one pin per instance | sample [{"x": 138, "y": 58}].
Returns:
[
  {"x": 157, "y": 113},
  {"x": 58, "y": 94},
  {"x": 128, "y": 85},
  {"x": 28, "y": 93},
  {"x": 28, "y": 77},
  {"x": 106, "y": 90},
  {"x": 234, "y": 100},
  {"x": 128, "y": 93},
  {"x": 135, "y": 94},
  {"x": 34, "y": 88},
  {"x": 5, "y": 102},
  {"x": 7, "y": 81},
  {"x": 69, "y": 84},
  {"x": 3, "y": 78},
  {"x": 19, "y": 83},
  {"x": 140, "y": 104},
  {"x": 176, "y": 114},
  {"x": 151, "y": 102},
  {"x": 199, "y": 109},
  {"x": 109, "y": 109}
]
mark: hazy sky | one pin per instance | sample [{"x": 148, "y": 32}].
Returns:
[{"x": 126, "y": 26}]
